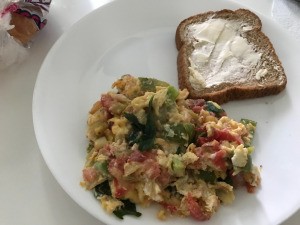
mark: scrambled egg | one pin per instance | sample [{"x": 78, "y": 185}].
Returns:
[{"x": 149, "y": 143}]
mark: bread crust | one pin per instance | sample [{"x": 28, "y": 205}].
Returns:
[{"x": 272, "y": 84}]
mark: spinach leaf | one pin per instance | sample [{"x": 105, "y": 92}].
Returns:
[
  {"x": 137, "y": 129},
  {"x": 182, "y": 133},
  {"x": 150, "y": 128},
  {"x": 214, "y": 108},
  {"x": 148, "y": 137},
  {"x": 228, "y": 178},
  {"x": 102, "y": 189},
  {"x": 168, "y": 105},
  {"x": 128, "y": 208},
  {"x": 134, "y": 121},
  {"x": 180, "y": 150},
  {"x": 146, "y": 144},
  {"x": 149, "y": 84},
  {"x": 207, "y": 176},
  {"x": 143, "y": 135}
]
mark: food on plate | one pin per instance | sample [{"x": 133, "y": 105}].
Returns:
[
  {"x": 149, "y": 143},
  {"x": 224, "y": 55}
]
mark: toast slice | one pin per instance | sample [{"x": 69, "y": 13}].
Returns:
[{"x": 224, "y": 56}]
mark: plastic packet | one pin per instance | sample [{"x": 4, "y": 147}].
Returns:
[{"x": 20, "y": 21}]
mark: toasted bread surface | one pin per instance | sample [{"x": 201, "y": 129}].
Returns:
[{"x": 245, "y": 84}]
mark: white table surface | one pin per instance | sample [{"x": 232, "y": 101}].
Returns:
[{"x": 29, "y": 194}]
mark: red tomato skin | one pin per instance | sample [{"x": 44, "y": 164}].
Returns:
[{"x": 195, "y": 209}]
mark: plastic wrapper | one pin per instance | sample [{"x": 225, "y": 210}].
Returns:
[{"x": 20, "y": 22}]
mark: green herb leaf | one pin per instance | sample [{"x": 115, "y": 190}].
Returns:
[
  {"x": 150, "y": 128},
  {"x": 207, "y": 176},
  {"x": 102, "y": 167},
  {"x": 137, "y": 129},
  {"x": 90, "y": 147},
  {"x": 250, "y": 126},
  {"x": 143, "y": 135},
  {"x": 148, "y": 137},
  {"x": 146, "y": 144},
  {"x": 134, "y": 137},
  {"x": 227, "y": 180},
  {"x": 182, "y": 133},
  {"x": 149, "y": 84},
  {"x": 247, "y": 122},
  {"x": 172, "y": 94},
  {"x": 181, "y": 149},
  {"x": 102, "y": 189},
  {"x": 248, "y": 166},
  {"x": 178, "y": 167},
  {"x": 128, "y": 208},
  {"x": 214, "y": 108}
]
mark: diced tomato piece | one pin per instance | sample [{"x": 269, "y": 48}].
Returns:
[
  {"x": 148, "y": 159},
  {"x": 89, "y": 174},
  {"x": 199, "y": 152},
  {"x": 107, "y": 150},
  {"x": 150, "y": 155},
  {"x": 202, "y": 140},
  {"x": 195, "y": 209},
  {"x": 164, "y": 177},
  {"x": 119, "y": 190},
  {"x": 225, "y": 135},
  {"x": 212, "y": 146},
  {"x": 106, "y": 101},
  {"x": 151, "y": 168},
  {"x": 202, "y": 133},
  {"x": 169, "y": 207},
  {"x": 219, "y": 159},
  {"x": 250, "y": 188},
  {"x": 197, "y": 109},
  {"x": 200, "y": 162},
  {"x": 195, "y": 104},
  {"x": 137, "y": 156},
  {"x": 201, "y": 129},
  {"x": 220, "y": 135},
  {"x": 116, "y": 167},
  {"x": 237, "y": 180}
]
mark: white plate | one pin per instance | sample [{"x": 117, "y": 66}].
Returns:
[{"x": 137, "y": 37}]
